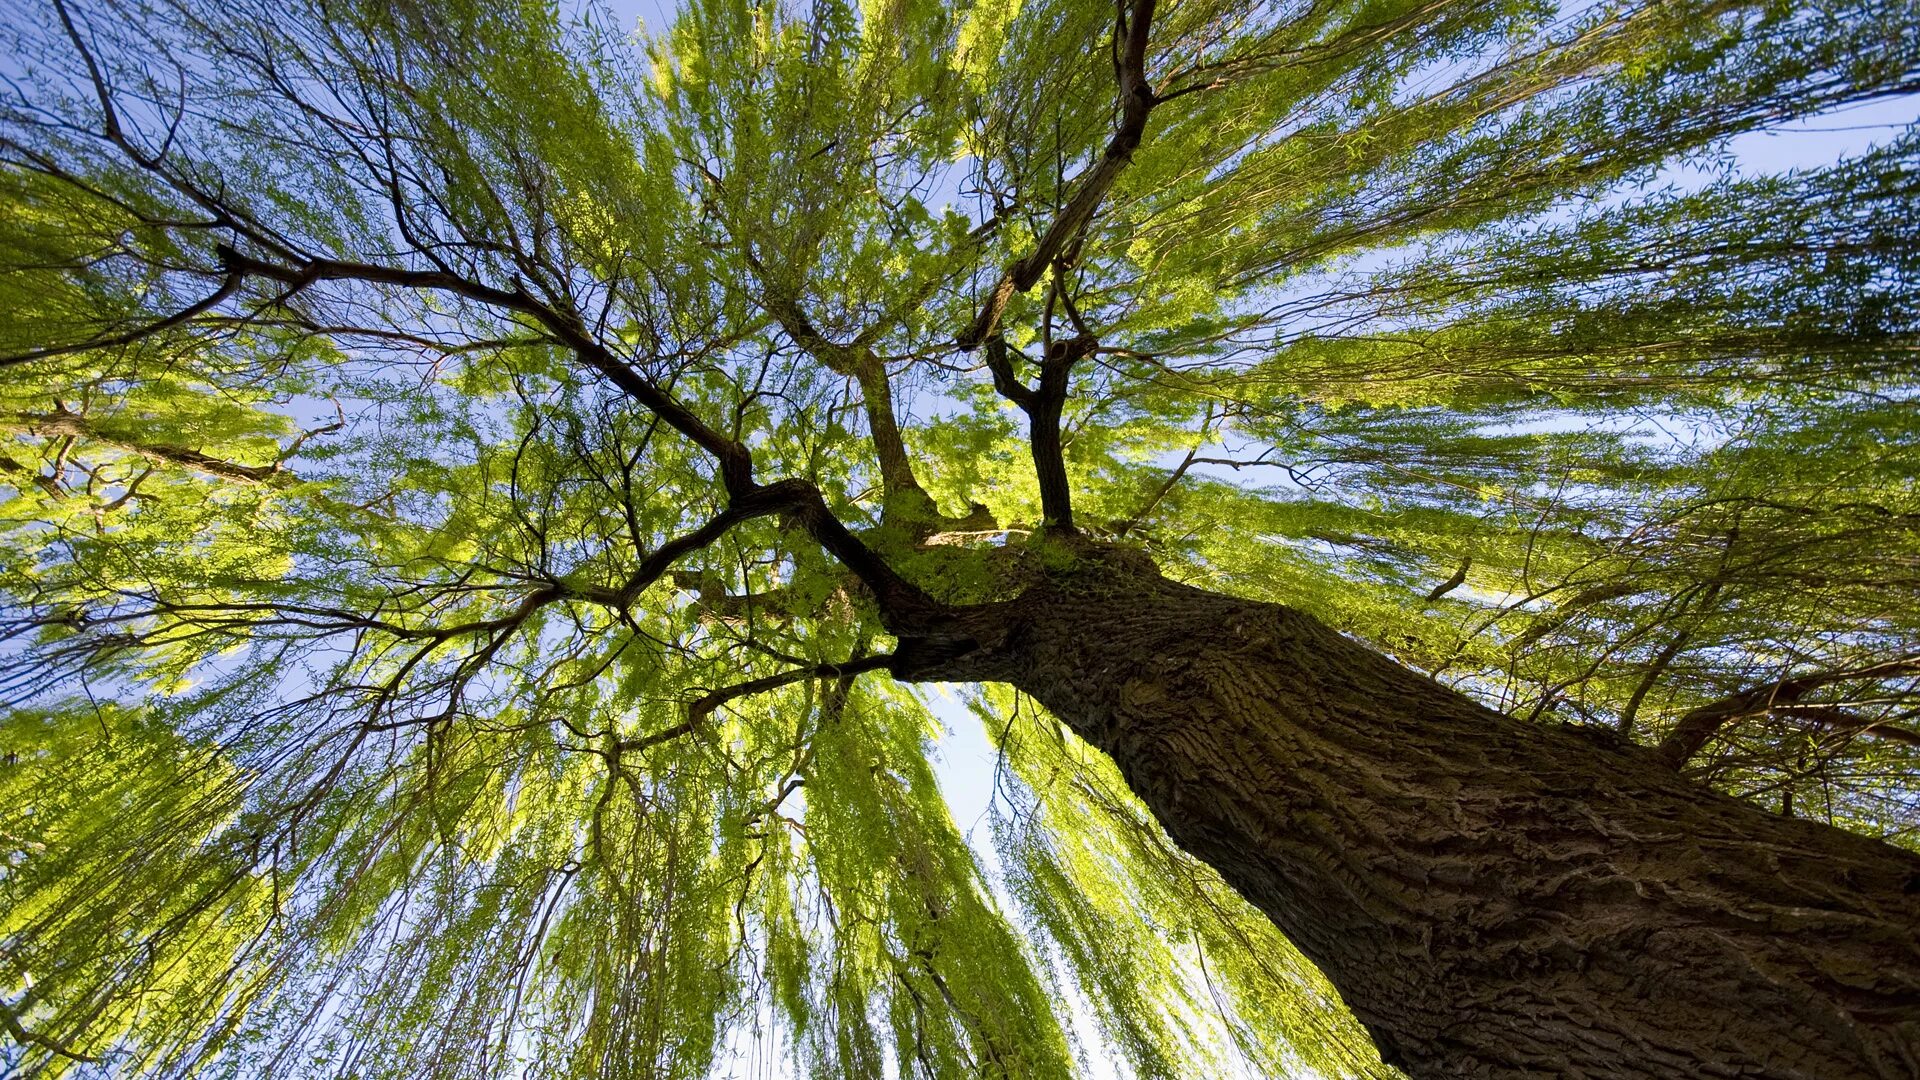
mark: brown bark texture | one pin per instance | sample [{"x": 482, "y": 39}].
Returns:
[{"x": 1493, "y": 898}]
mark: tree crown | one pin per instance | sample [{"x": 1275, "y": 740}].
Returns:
[{"x": 476, "y": 469}]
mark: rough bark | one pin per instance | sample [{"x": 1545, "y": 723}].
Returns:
[{"x": 1492, "y": 898}]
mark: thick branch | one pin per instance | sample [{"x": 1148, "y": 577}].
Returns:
[
  {"x": 710, "y": 592},
  {"x": 1458, "y": 579},
  {"x": 897, "y": 480},
  {"x": 904, "y": 608},
  {"x": 896, "y": 465},
  {"x": 1043, "y": 430},
  {"x": 1136, "y": 101},
  {"x": 1005, "y": 382},
  {"x": 902, "y": 604},
  {"x": 1701, "y": 724}
]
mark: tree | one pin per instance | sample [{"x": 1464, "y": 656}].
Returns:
[{"x": 485, "y": 486}]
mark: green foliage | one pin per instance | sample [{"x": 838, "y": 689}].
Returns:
[{"x": 399, "y": 682}]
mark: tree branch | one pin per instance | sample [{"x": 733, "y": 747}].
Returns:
[
  {"x": 1043, "y": 429},
  {"x": 1136, "y": 101},
  {"x": 1005, "y": 382},
  {"x": 114, "y": 341},
  {"x": 24, "y": 1037},
  {"x": 710, "y": 592},
  {"x": 1701, "y": 724},
  {"x": 62, "y": 422},
  {"x": 900, "y": 487},
  {"x": 897, "y": 480},
  {"x": 902, "y": 604},
  {"x": 1458, "y": 579},
  {"x": 858, "y": 361},
  {"x": 735, "y": 460},
  {"x": 703, "y": 707},
  {"x": 1842, "y": 720}
]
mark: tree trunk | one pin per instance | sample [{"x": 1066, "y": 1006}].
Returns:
[{"x": 1492, "y": 898}]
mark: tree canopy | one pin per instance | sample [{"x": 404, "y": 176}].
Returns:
[{"x": 472, "y": 467}]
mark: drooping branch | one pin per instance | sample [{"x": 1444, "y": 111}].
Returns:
[
  {"x": 1275, "y": 55},
  {"x": 1658, "y": 668},
  {"x": 901, "y": 603},
  {"x": 1173, "y": 478},
  {"x": 26, "y": 1037},
  {"x": 225, "y": 214},
  {"x": 294, "y": 270},
  {"x": 663, "y": 557}
]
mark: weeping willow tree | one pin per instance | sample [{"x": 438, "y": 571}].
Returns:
[{"x": 1435, "y": 546}]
